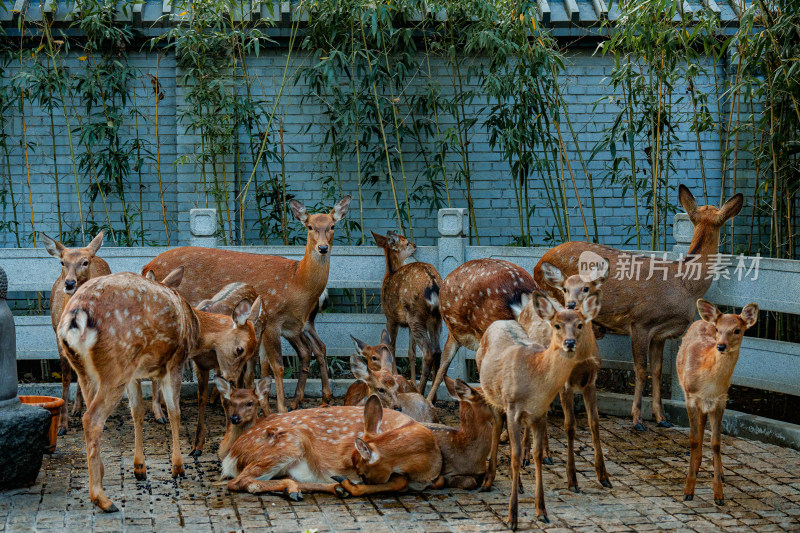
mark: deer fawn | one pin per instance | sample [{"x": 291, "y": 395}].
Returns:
[
  {"x": 410, "y": 298},
  {"x": 473, "y": 296},
  {"x": 575, "y": 289},
  {"x": 122, "y": 328},
  {"x": 465, "y": 448},
  {"x": 706, "y": 359},
  {"x": 302, "y": 450},
  {"x": 241, "y": 408},
  {"x": 521, "y": 378},
  {"x": 385, "y": 385},
  {"x": 78, "y": 265},
  {"x": 378, "y": 358},
  {"x": 290, "y": 292},
  {"x": 658, "y": 303}
]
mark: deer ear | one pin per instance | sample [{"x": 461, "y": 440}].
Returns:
[
  {"x": 97, "y": 242},
  {"x": 263, "y": 386},
  {"x": 360, "y": 345},
  {"x": 544, "y": 306},
  {"x": 686, "y": 198},
  {"x": 451, "y": 386},
  {"x": 341, "y": 207},
  {"x": 707, "y": 311},
  {"x": 364, "y": 450},
  {"x": 590, "y": 307},
  {"x": 602, "y": 274},
  {"x": 750, "y": 314},
  {"x": 464, "y": 392},
  {"x": 386, "y": 338},
  {"x": 52, "y": 246},
  {"x": 150, "y": 276},
  {"x": 359, "y": 367},
  {"x": 241, "y": 313},
  {"x": 730, "y": 208},
  {"x": 255, "y": 310},
  {"x": 174, "y": 278},
  {"x": 373, "y": 414},
  {"x": 552, "y": 275},
  {"x": 224, "y": 387},
  {"x": 380, "y": 240},
  {"x": 298, "y": 210}
]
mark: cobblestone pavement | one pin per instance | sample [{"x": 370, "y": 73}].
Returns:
[{"x": 762, "y": 489}]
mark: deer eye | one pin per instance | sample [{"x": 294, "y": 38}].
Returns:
[
  {"x": 239, "y": 350},
  {"x": 62, "y": 263},
  {"x": 737, "y": 331},
  {"x": 580, "y": 326},
  {"x": 557, "y": 326},
  {"x": 586, "y": 289},
  {"x": 249, "y": 404},
  {"x": 309, "y": 228},
  {"x": 381, "y": 390},
  {"x": 333, "y": 226},
  {"x": 565, "y": 290}
]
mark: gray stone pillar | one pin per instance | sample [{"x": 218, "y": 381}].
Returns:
[
  {"x": 203, "y": 225},
  {"x": 682, "y": 231},
  {"x": 453, "y": 224},
  {"x": 8, "y": 350}
]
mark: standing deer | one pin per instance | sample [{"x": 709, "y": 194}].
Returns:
[
  {"x": 290, "y": 292},
  {"x": 377, "y": 358},
  {"x": 575, "y": 290},
  {"x": 78, "y": 265},
  {"x": 301, "y": 451},
  {"x": 654, "y": 301},
  {"x": 473, "y": 296},
  {"x": 706, "y": 359},
  {"x": 520, "y": 379},
  {"x": 410, "y": 298},
  {"x": 241, "y": 409},
  {"x": 119, "y": 329}
]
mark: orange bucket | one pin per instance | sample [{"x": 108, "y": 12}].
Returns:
[{"x": 53, "y": 405}]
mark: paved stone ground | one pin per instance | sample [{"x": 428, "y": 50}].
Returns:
[{"x": 762, "y": 490}]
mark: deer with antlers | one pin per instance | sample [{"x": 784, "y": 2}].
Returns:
[
  {"x": 472, "y": 297},
  {"x": 658, "y": 303},
  {"x": 410, "y": 299},
  {"x": 78, "y": 265},
  {"x": 706, "y": 360},
  {"x": 119, "y": 329},
  {"x": 378, "y": 357},
  {"x": 521, "y": 378},
  {"x": 290, "y": 292}
]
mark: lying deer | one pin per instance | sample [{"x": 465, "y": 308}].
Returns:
[
  {"x": 575, "y": 290},
  {"x": 378, "y": 358},
  {"x": 386, "y": 386},
  {"x": 520, "y": 379},
  {"x": 706, "y": 359},
  {"x": 410, "y": 298},
  {"x": 78, "y": 265},
  {"x": 241, "y": 408},
  {"x": 472, "y": 297},
  {"x": 658, "y": 303},
  {"x": 301, "y": 451},
  {"x": 119, "y": 329},
  {"x": 290, "y": 292}
]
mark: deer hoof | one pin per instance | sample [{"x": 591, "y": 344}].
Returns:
[
  {"x": 485, "y": 488},
  {"x": 341, "y": 492},
  {"x": 607, "y": 484},
  {"x": 543, "y": 518},
  {"x": 719, "y": 501},
  {"x": 512, "y": 523},
  {"x": 111, "y": 509},
  {"x": 526, "y": 463},
  {"x": 547, "y": 461},
  {"x": 295, "y": 496},
  {"x": 338, "y": 479},
  {"x": 688, "y": 497},
  {"x": 196, "y": 453},
  {"x": 639, "y": 427},
  {"x": 178, "y": 471},
  {"x": 575, "y": 489},
  {"x": 140, "y": 476},
  {"x": 161, "y": 420},
  {"x": 665, "y": 424},
  {"x": 62, "y": 432}
]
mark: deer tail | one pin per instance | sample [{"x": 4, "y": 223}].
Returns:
[
  {"x": 78, "y": 331},
  {"x": 432, "y": 295}
]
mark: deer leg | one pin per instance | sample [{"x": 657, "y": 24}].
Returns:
[
  {"x": 418, "y": 335},
  {"x": 434, "y": 336},
  {"x": 271, "y": 357},
  {"x": 94, "y": 419},
  {"x": 568, "y": 405},
  {"x": 715, "y": 419},
  {"x": 136, "y": 404},
  {"x": 547, "y": 459},
  {"x": 171, "y": 386},
  {"x": 66, "y": 379},
  {"x": 412, "y": 362},
  {"x": 639, "y": 344},
  {"x": 77, "y": 405},
  {"x": 202, "y": 401},
  {"x": 590, "y": 399},
  {"x": 491, "y": 470},
  {"x": 656, "y": 358},
  {"x": 391, "y": 327},
  {"x": 695, "y": 447},
  {"x": 450, "y": 349},
  {"x": 539, "y": 429},
  {"x": 321, "y": 353},
  {"x": 158, "y": 413},
  {"x": 304, "y": 356},
  {"x": 396, "y": 483},
  {"x": 701, "y": 421},
  {"x": 515, "y": 439},
  {"x": 526, "y": 446}
]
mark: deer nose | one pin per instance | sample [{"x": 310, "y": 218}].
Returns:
[
  {"x": 569, "y": 344},
  {"x": 570, "y": 305},
  {"x": 69, "y": 284},
  {"x": 721, "y": 347},
  {"x": 322, "y": 249},
  {"x": 235, "y": 419}
]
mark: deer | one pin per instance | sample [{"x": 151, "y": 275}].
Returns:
[
  {"x": 78, "y": 265},
  {"x": 410, "y": 299},
  {"x": 385, "y": 385},
  {"x": 705, "y": 363},
  {"x": 303, "y": 451},
  {"x": 290, "y": 291},
  {"x": 473, "y": 296},
  {"x": 520, "y": 379},
  {"x": 659, "y": 303},
  {"x": 241, "y": 408},
  {"x": 378, "y": 358},
  {"x": 574, "y": 290},
  {"x": 121, "y": 328},
  {"x": 465, "y": 448}
]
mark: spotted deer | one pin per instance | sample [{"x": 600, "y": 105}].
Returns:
[
  {"x": 706, "y": 359},
  {"x": 305, "y": 450},
  {"x": 378, "y": 358},
  {"x": 410, "y": 299},
  {"x": 574, "y": 290},
  {"x": 472, "y": 297},
  {"x": 290, "y": 292},
  {"x": 520, "y": 379},
  {"x": 119, "y": 329},
  {"x": 78, "y": 265},
  {"x": 386, "y": 386},
  {"x": 241, "y": 408},
  {"x": 658, "y": 303}
]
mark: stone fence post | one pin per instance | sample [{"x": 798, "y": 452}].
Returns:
[
  {"x": 203, "y": 226},
  {"x": 452, "y": 249},
  {"x": 682, "y": 231}
]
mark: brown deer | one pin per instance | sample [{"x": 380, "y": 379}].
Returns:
[
  {"x": 301, "y": 451},
  {"x": 386, "y": 386},
  {"x": 520, "y": 379},
  {"x": 241, "y": 408},
  {"x": 473, "y": 296},
  {"x": 119, "y": 329},
  {"x": 465, "y": 448},
  {"x": 410, "y": 298},
  {"x": 78, "y": 265},
  {"x": 656, "y": 304},
  {"x": 378, "y": 358},
  {"x": 706, "y": 359},
  {"x": 290, "y": 292},
  {"x": 575, "y": 289}
]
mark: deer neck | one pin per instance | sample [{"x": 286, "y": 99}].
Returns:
[
  {"x": 232, "y": 432},
  {"x": 311, "y": 275},
  {"x": 212, "y": 326},
  {"x": 393, "y": 263},
  {"x": 702, "y": 251}
]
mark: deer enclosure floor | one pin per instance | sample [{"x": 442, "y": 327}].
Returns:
[{"x": 762, "y": 488}]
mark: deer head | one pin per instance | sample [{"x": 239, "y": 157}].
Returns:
[
  {"x": 397, "y": 247},
  {"x": 377, "y": 357},
  {"x": 74, "y": 261},
  {"x": 367, "y": 460},
  {"x": 568, "y": 325},
  {"x": 320, "y": 226},
  {"x": 708, "y": 214},
  {"x": 242, "y": 404},
  {"x": 729, "y": 328},
  {"x": 234, "y": 348},
  {"x": 381, "y": 383},
  {"x": 575, "y": 288}
]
